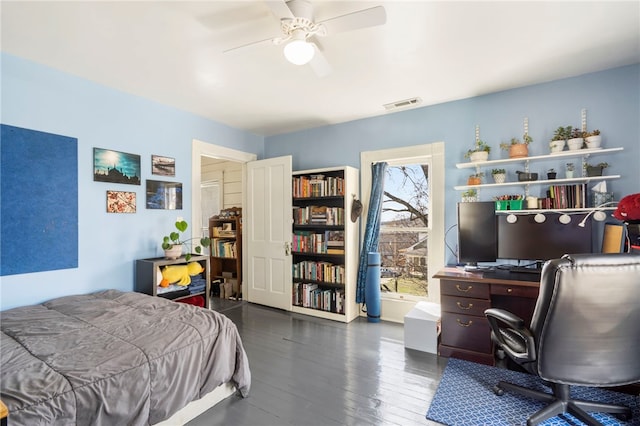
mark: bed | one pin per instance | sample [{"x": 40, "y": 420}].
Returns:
[{"x": 117, "y": 358}]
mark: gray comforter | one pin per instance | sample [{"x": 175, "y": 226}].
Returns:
[{"x": 114, "y": 358}]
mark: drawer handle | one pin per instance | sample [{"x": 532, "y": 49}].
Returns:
[
  {"x": 469, "y": 306},
  {"x": 464, "y": 290},
  {"x": 509, "y": 290},
  {"x": 462, "y": 324}
]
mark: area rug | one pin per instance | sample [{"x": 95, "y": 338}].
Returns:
[{"x": 465, "y": 398}]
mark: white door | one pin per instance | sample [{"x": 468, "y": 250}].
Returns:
[{"x": 268, "y": 232}]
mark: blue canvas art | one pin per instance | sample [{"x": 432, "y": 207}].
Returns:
[{"x": 38, "y": 201}]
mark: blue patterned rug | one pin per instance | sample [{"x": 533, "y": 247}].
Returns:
[{"x": 465, "y": 398}]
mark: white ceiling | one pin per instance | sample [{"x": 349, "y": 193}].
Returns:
[{"x": 172, "y": 52}]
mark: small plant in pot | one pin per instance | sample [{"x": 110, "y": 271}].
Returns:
[
  {"x": 595, "y": 169},
  {"x": 480, "y": 152},
  {"x": 475, "y": 179},
  {"x": 551, "y": 174},
  {"x": 499, "y": 175},
  {"x": 576, "y": 139},
  {"x": 173, "y": 245},
  {"x": 569, "y": 171},
  {"x": 470, "y": 196},
  {"x": 559, "y": 138},
  {"x": 593, "y": 139},
  {"x": 518, "y": 148}
]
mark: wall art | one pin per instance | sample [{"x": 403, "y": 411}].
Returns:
[
  {"x": 38, "y": 201},
  {"x": 116, "y": 167},
  {"x": 163, "y": 166},
  {"x": 164, "y": 195},
  {"x": 121, "y": 202}
]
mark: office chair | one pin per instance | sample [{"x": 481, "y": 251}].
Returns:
[{"x": 585, "y": 331}]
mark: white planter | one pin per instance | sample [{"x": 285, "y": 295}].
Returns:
[
  {"x": 499, "y": 177},
  {"x": 593, "y": 141},
  {"x": 174, "y": 252},
  {"x": 557, "y": 146},
  {"x": 479, "y": 156},
  {"x": 575, "y": 144}
]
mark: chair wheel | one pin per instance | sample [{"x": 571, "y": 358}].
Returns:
[
  {"x": 625, "y": 417},
  {"x": 498, "y": 390}
]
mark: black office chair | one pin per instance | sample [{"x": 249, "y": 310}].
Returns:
[{"x": 585, "y": 331}]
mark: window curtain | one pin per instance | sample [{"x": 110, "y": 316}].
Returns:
[{"x": 372, "y": 231}]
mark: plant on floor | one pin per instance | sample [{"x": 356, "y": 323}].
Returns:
[{"x": 173, "y": 239}]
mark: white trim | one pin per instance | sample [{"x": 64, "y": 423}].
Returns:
[
  {"x": 391, "y": 310},
  {"x": 200, "y": 149},
  {"x": 199, "y": 406}
]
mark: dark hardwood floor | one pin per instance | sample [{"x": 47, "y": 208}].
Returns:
[{"x": 310, "y": 371}]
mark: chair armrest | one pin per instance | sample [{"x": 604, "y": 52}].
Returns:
[
  {"x": 510, "y": 333},
  {"x": 507, "y": 317}
]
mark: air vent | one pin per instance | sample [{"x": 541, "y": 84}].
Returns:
[{"x": 402, "y": 104}]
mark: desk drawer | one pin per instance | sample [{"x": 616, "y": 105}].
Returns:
[
  {"x": 516, "y": 291},
  {"x": 464, "y": 305},
  {"x": 465, "y": 289},
  {"x": 466, "y": 332}
]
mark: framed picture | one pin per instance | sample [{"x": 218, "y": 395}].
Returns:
[
  {"x": 164, "y": 195},
  {"x": 116, "y": 167},
  {"x": 121, "y": 202},
  {"x": 163, "y": 166}
]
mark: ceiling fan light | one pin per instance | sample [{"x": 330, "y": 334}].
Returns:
[{"x": 299, "y": 52}]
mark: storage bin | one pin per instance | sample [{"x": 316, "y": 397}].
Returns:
[{"x": 508, "y": 205}]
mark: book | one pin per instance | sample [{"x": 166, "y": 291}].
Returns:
[{"x": 334, "y": 238}]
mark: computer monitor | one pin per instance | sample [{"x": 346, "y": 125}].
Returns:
[
  {"x": 477, "y": 237},
  {"x": 527, "y": 239}
]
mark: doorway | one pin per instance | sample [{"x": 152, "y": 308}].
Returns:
[{"x": 208, "y": 154}]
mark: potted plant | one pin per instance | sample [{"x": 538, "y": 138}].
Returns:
[
  {"x": 173, "y": 245},
  {"x": 595, "y": 170},
  {"x": 593, "y": 139},
  {"x": 551, "y": 174},
  {"x": 475, "y": 179},
  {"x": 499, "y": 175},
  {"x": 480, "y": 152},
  {"x": 569, "y": 170},
  {"x": 559, "y": 138},
  {"x": 470, "y": 196},
  {"x": 576, "y": 139},
  {"x": 518, "y": 148}
]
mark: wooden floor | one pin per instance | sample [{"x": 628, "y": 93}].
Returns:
[{"x": 309, "y": 371}]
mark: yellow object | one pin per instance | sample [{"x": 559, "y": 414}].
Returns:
[{"x": 180, "y": 274}]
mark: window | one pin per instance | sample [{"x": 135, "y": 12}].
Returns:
[{"x": 411, "y": 231}]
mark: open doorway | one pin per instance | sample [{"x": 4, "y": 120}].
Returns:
[{"x": 217, "y": 172}]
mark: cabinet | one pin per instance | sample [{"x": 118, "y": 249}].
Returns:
[
  {"x": 226, "y": 254},
  {"x": 465, "y": 331},
  {"x": 148, "y": 277},
  {"x": 583, "y": 154},
  {"x": 325, "y": 243}
]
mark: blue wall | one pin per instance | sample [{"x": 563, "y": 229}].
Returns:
[
  {"x": 40, "y": 98},
  {"x": 612, "y": 100}
]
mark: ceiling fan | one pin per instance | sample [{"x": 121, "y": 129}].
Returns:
[{"x": 300, "y": 31}]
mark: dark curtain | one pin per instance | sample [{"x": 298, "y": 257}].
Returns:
[{"x": 372, "y": 231}]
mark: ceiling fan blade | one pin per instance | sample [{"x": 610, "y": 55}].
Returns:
[
  {"x": 280, "y": 9},
  {"x": 319, "y": 63},
  {"x": 356, "y": 20},
  {"x": 252, "y": 45}
]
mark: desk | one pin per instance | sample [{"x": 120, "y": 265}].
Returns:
[{"x": 464, "y": 296}]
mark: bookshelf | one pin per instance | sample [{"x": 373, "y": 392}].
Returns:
[
  {"x": 226, "y": 255},
  {"x": 325, "y": 243}
]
